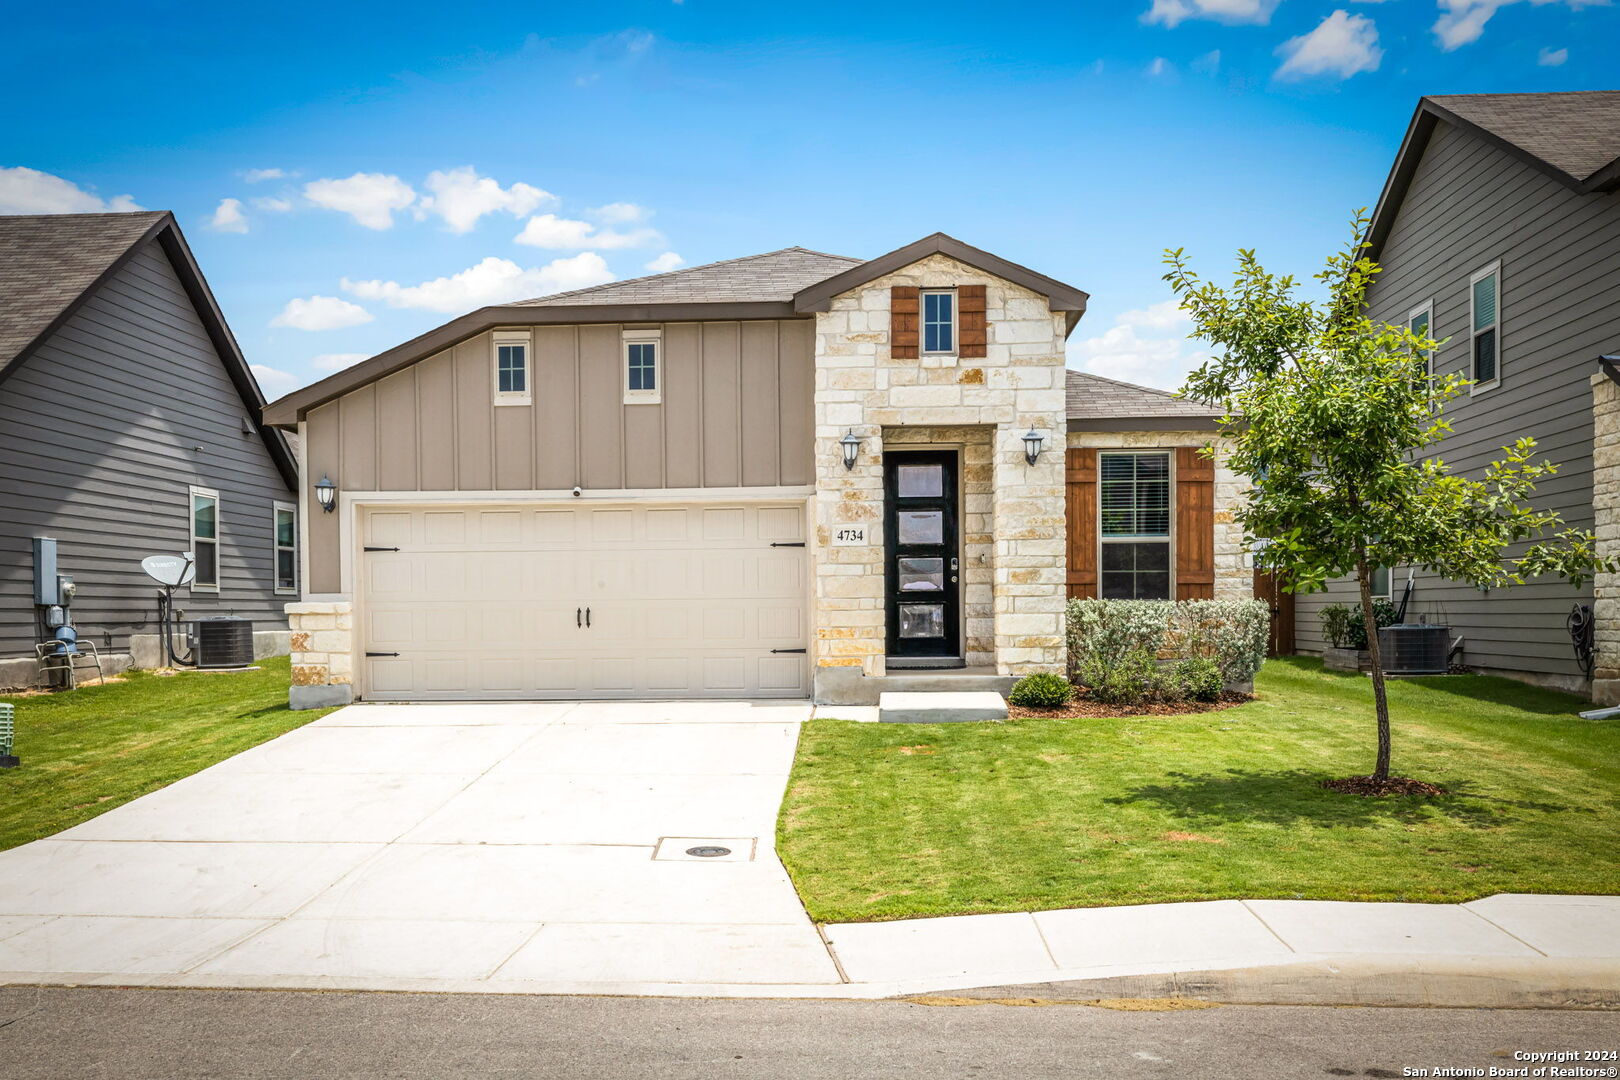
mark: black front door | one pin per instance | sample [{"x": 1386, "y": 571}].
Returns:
[{"x": 920, "y": 548}]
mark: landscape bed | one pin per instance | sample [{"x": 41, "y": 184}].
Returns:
[{"x": 886, "y": 821}]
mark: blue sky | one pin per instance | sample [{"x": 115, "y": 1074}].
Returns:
[{"x": 392, "y": 167}]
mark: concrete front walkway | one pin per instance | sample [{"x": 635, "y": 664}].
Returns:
[{"x": 531, "y": 848}]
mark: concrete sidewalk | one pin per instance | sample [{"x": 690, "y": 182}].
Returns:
[{"x": 542, "y": 849}]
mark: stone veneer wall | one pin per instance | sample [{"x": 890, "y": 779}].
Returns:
[
  {"x": 322, "y": 654},
  {"x": 1606, "y": 510},
  {"x": 1234, "y": 569},
  {"x": 1016, "y": 386}
]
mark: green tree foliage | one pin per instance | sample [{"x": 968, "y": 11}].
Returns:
[{"x": 1332, "y": 413}]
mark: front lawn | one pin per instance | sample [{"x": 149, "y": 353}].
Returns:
[
  {"x": 886, "y": 821},
  {"x": 89, "y": 750}
]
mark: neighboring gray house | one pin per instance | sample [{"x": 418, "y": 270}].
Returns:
[
  {"x": 129, "y": 426},
  {"x": 1499, "y": 230}
]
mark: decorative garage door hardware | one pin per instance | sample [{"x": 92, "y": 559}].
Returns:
[
  {"x": 382, "y": 654},
  {"x": 587, "y": 623},
  {"x": 787, "y": 650},
  {"x": 787, "y": 543},
  {"x": 381, "y": 549}
]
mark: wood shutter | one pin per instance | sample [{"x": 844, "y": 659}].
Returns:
[
  {"x": 1195, "y": 525},
  {"x": 1080, "y": 482},
  {"x": 903, "y": 316},
  {"x": 971, "y": 326}
]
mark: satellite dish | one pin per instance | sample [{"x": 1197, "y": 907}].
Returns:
[{"x": 170, "y": 570}]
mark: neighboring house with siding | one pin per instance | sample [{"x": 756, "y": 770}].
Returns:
[
  {"x": 129, "y": 426},
  {"x": 1498, "y": 231},
  {"x": 788, "y": 475}
]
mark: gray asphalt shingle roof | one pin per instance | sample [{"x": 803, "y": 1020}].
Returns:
[
  {"x": 772, "y": 277},
  {"x": 1092, "y": 397},
  {"x": 47, "y": 261},
  {"x": 1576, "y": 133}
]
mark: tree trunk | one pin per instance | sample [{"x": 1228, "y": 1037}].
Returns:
[{"x": 1380, "y": 701}]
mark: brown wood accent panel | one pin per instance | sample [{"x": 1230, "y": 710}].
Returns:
[
  {"x": 1080, "y": 483},
  {"x": 1268, "y": 588},
  {"x": 1195, "y": 525},
  {"x": 904, "y": 302},
  {"x": 972, "y": 327}
]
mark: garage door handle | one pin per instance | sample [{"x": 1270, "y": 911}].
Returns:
[
  {"x": 587, "y": 618},
  {"x": 381, "y": 549},
  {"x": 382, "y": 654},
  {"x": 579, "y": 617},
  {"x": 788, "y": 650},
  {"x": 787, "y": 543}
]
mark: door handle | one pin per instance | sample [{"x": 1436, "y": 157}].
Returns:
[
  {"x": 577, "y": 622},
  {"x": 953, "y": 569},
  {"x": 587, "y": 618}
]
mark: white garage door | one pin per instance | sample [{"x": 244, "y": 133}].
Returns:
[{"x": 560, "y": 602}]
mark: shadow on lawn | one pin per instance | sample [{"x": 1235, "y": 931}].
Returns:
[{"x": 1295, "y": 796}]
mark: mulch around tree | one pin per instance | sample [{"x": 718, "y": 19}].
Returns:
[
  {"x": 1374, "y": 788},
  {"x": 1083, "y": 709}
]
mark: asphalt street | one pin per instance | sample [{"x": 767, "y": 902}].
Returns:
[{"x": 69, "y": 1032}]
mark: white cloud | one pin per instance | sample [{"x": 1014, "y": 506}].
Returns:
[
  {"x": 337, "y": 361},
  {"x": 255, "y": 176},
  {"x": 1463, "y": 21},
  {"x": 567, "y": 234},
  {"x": 29, "y": 191},
  {"x": 274, "y": 381},
  {"x": 1147, "y": 346},
  {"x": 493, "y": 281},
  {"x": 369, "y": 198},
  {"x": 460, "y": 196},
  {"x": 1160, "y": 67},
  {"x": 1175, "y": 12},
  {"x": 228, "y": 217},
  {"x": 620, "y": 213},
  {"x": 1550, "y": 57},
  {"x": 665, "y": 263},
  {"x": 273, "y": 205},
  {"x": 1342, "y": 44},
  {"x": 1209, "y": 63},
  {"x": 321, "y": 313}
]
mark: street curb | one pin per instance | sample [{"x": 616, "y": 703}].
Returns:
[{"x": 1397, "y": 981}]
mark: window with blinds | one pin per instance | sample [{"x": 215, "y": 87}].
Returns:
[
  {"x": 1485, "y": 301},
  {"x": 1133, "y": 495}
]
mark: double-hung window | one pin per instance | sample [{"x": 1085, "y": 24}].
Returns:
[
  {"x": 285, "y": 542},
  {"x": 1485, "y": 324},
  {"x": 939, "y": 321},
  {"x": 1420, "y": 320},
  {"x": 512, "y": 376},
  {"x": 643, "y": 370},
  {"x": 1134, "y": 513},
  {"x": 1380, "y": 582},
  {"x": 205, "y": 539}
]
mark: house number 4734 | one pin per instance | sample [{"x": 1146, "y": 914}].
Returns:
[{"x": 849, "y": 536}]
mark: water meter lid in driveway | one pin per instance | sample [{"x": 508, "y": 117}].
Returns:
[{"x": 170, "y": 570}]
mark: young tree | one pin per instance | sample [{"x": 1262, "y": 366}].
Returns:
[{"x": 1330, "y": 413}]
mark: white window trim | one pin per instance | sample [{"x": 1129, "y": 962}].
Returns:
[
  {"x": 1476, "y": 276},
  {"x": 1169, "y": 538},
  {"x": 922, "y": 325},
  {"x": 511, "y": 337},
  {"x": 192, "y": 493},
  {"x": 276, "y": 548},
  {"x": 653, "y": 336},
  {"x": 1389, "y": 583},
  {"x": 1425, "y": 308}
]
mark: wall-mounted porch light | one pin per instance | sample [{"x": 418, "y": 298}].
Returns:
[
  {"x": 326, "y": 493},
  {"x": 1032, "y": 445},
  {"x": 851, "y": 443}
]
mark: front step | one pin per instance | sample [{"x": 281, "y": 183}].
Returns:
[{"x": 953, "y": 707}]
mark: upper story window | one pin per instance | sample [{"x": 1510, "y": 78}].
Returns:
[
  {"x": 1134, "y": 502},
  {"x": 512, "y": 377},
  {"x": 1420, "y": 320},
  {"x": 205, "y": 538},
  {"x": 1485, "y": 315},
  {"x": 285, "y": 540},
  {"x": 643, "y": 367},
  {"x": 939, "y": 321}
]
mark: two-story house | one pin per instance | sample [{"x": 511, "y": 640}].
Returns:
[
  {"x": 1498, "y": 231},
  {"x": 790, "y": 474}
]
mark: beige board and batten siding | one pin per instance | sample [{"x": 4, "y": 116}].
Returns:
[{"x": 736, "y": 411}]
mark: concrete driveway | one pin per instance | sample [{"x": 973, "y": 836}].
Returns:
[{"x": 477, "y": 846}]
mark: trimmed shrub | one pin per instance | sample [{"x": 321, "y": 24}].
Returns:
[
  {"x": 1132, "y": 679},
  {"x": 1104, "y": 635},
  {"x": 1198, "y": 678},
  {"x": 1043, "y": 690}
]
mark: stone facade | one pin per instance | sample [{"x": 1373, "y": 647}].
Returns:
[
  {"x": 1013, "y": 512},
  {"x": 1234, "y": 566},
  {"x": 1606, "y": 511},
  {"x": 322, "y": 654}
]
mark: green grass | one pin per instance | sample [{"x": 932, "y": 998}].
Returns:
[
  {"x": 92, "y": 749},
  {"x": 890, "y": 821}
]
